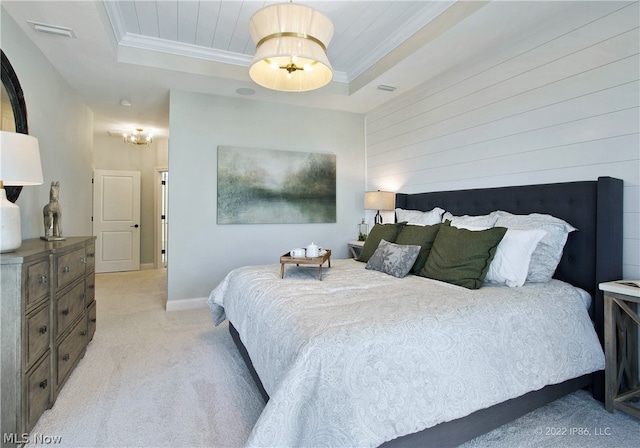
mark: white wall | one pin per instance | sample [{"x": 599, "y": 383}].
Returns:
[
  {"x": 561, "y": 104},
  {"x": 63, "y": 125},
  {"x": 201, "y": 252},
  {"x": 110, "y": 153}
]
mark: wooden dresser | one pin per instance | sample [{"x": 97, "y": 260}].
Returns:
[{"x": 47, "y": 318}]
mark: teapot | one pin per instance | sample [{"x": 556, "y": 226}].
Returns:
[{"x": 313, "y": 251}]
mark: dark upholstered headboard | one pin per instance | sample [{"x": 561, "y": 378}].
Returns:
[{"x": 592, "y": 255}]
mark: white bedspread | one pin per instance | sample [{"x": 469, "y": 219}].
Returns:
[{"x": 362, "y": 357}]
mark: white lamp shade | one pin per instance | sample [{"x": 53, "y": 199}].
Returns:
[
  {"x": 379, "y": 200},
  {"x": 290, "y": 33},
  {"x": 19, "y": 165},
  {"x": 19, "y": 159}
]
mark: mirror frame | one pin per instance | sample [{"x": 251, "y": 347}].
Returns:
[{"x": 16, "y": 97}]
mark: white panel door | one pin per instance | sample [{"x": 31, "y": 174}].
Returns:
[{"x": 116, "y": 220}]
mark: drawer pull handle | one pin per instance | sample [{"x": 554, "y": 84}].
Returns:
[
  {"x": 43, "y": 279},
  {"x": 43, "y": 384},
  {"x": 83, "y": 333},
  {"x": 91, "y": 255},
  {"x": 65, "y": 312},
  {"x": 43, "y": 329},
  {"x": 66, "y": 357},
  {"x": 94, "y": 320},
  {"x": 65, "y": 269},
  {"x": 92, "y": 286}
]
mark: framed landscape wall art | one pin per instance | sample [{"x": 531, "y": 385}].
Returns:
[{"x": 268, "y": 186}]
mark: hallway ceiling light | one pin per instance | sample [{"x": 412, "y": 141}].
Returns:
[
  {"x": 291, "y": 45},
  {"x": 139, "y": 137}
]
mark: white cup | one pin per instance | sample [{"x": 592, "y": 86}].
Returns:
[{"x": 298, "y": 253}]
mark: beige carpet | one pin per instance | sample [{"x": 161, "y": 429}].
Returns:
[
  {"x": 157, "y": 379},
  {"x": 151, "y": 378}
]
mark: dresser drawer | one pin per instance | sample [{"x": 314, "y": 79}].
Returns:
[
  {"x": 69, "y": 306},
  {"x": 91, "y": 287},
  {"x": 71, "y": 266},
  {"x": 38, "y": 391},
  {"x": 91, "y": 256},
  {"x": 37, "y": 281},
  {"x": 70, "y": 349},
  {"x": 38, "y": 329},
  {"x": 91, "y": 319}
]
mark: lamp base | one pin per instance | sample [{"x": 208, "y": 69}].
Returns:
[
  {"x": 378, "y": 218},
  {"x": 10, "y": 234}
]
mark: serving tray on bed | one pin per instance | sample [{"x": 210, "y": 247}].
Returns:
[{"x": 319, "y": 261}]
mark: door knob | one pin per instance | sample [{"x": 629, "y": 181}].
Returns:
[{"x": 136, "y": 226}]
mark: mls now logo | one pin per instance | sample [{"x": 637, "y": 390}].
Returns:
[{"x": 22, "y": 439}]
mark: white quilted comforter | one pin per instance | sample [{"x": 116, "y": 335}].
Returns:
[{"x": 362, "y": 357}]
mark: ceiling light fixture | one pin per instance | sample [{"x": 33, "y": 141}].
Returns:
[
  {"x": 139, "y": 137},
  {"x": 291, "y": 45}
]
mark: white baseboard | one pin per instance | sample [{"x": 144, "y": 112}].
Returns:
[
  {"x": 147, "y": 266},
  {"x": 186, "y": 304}
]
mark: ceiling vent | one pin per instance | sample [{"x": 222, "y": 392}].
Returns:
[
  {"x": 386, "y": 88},
  {"x": 52, "y": 29}
]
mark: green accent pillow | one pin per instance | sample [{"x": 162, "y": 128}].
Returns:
[
  {"x": 462, "y": 257},
  {"x": 388, "y": 232},
  {"x": 422, "y": 236}
]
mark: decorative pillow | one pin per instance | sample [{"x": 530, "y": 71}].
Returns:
[
  {"x": 393, "y": 259},
  {"x": 548, "y": 252},
  {"x": 462, "y": 256},
  {"x": 418, "y": 218},
  {"x": 511, "y": 262},
  {"x": 388, "y": 232},
  {"x": 464, "y": 221},
  {"x": 422, "y": 236}
]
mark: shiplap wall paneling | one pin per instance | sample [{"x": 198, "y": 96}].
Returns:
[{"x": 560, "y": 103}]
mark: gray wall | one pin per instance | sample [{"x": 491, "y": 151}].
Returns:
[
  {"x": 201, "y": 252},
  {"x": 561, "y": 104},
  {"x": 63, "y": 125}
]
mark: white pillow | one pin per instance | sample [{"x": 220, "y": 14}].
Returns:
[
  {"x": 486, "y": 221},
  {"x": 418, "y": 218},
  {"x": 510, "y": 265},
  {"x": 469, "y": 227},
  {"x": 548, "y": 252}
]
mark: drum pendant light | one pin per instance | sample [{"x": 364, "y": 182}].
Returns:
[{"x": 291, "y": 44}]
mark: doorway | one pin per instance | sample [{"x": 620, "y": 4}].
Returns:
[
  {"x": 161, "y": 257},
  {"x": 116, "y": 220}
]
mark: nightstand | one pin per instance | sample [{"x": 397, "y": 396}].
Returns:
[
  {"x": 621, "y": 323},
  {"x": 355, "y": 247}
]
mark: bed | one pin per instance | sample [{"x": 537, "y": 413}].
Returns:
[{"x": 354, "y": 361}]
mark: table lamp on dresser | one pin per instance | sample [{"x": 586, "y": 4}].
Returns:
[{"x": 19, "y": 166}]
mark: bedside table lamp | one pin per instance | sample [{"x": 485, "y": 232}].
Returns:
[
  {"x": 379, "y": 200},
  {"x": 19, "y": 166}
]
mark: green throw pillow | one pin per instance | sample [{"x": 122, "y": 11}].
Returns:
[
  {"x": 422, "y": 236},
  {"x": 388, "y": 232},
  {"x": 462, "y": 257}
]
